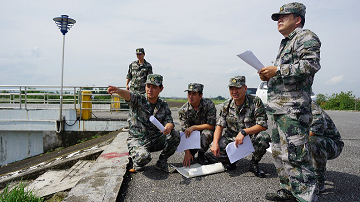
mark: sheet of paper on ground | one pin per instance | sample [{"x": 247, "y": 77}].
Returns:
[
  {"x": 251, "y": 59},
  {"x": 199, "y": 170},
  {"x": 192, "y": 142},
  {"x": 236, "y": 153}
]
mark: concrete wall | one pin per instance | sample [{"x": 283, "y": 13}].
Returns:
[
  {"x": 26, "y": 133},
  {"x": 19, "y": 145}
]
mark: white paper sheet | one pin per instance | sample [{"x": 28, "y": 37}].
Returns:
[
  {"x": 199, "y": 170},
  {"x": 192, "y": 142},
  {"x": 157, "y": 123},
  {"x": 251, "y": 59},
  {"x": 241, "y": 151}
]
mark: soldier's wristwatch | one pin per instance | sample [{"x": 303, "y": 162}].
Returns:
[{"x": 243, "y": 132}]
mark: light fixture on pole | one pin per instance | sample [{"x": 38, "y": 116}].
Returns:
[{"x": 64, "y": 23}]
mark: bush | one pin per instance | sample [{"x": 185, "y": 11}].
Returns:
[{"x": 338, "y": 101}]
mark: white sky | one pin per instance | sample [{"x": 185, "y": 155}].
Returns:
[{"x": 185, "y": 41}]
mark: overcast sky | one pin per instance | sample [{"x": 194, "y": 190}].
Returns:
[{"x": 185, "y": 41}]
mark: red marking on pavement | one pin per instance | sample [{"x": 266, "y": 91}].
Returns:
[{"x": 114, "y": 155}]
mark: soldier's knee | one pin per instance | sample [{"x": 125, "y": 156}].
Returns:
[{"x": 142, "y": 157}]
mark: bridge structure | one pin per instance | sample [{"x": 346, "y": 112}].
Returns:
[{"x": 33, "y": 119}]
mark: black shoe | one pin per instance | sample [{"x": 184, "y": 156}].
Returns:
[
  {"x": 201, "y": 159},
  {"x": 229, "y": 166},
  {"x": 281, "y": 195},
  {"x": 254, "y": 168}
]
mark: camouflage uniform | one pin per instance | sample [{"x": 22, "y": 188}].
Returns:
[
  {"x": 137, "y": 73},
  {"x": 144, "y": 136},
  {"x": 326, "y": 144},
  {"x": 206, "y": 114},
  {"x": 235, "y": 118},
  {"x": 289, "y": 101}
]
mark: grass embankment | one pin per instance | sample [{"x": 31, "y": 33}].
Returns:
[{"x": 19, "y": 193}]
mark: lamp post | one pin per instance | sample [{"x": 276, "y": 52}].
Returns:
[{"x": 64, "y": 23}]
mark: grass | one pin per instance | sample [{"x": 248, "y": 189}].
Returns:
[{"x": 19, "y": 193}]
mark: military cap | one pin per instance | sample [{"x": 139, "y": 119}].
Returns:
[
  {"x": 195, "y": 87},
  {"x": 154, "y": 79},
  {"x": 295, "y": 7},
  {"x": 140, "y": 50},
  {"x": 237, "y": 81}
]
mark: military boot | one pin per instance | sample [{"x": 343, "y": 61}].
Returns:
[{"x": 254, "y": 168}]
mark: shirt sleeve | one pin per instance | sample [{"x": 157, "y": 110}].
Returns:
[
  {"x": 318, "y": 124},
  {"x": 211, "y": 113},
  {"x": 221, "y": 121},
  {"x": 129, "y": 74},
  {"x": 260, "y": 113},
  {"x": 306, "y": 58}
]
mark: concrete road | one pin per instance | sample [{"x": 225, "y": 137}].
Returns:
[{"x": 241, "y": 185}]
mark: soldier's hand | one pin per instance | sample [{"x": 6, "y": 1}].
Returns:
[
  {"x": 263, "y": 77},
  {"x": 112, "y": 89},
  {"x": 188, "y": 131},
  {"x": 239, "y": 139},
  {"x": 168, "y": 128},
  {"x": 268, "y": 72},
  {"x": 187, "y": 158},
  {"x": 215, "y": 149},
  {"x": 127, "y": 87}
]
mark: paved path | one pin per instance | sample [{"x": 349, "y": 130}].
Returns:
[{"x": 240, "y": 185}]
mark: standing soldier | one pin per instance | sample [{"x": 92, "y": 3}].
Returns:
[
  {"x": 145, "y": 137},
  {"x": 325, "y": 143},
  {"x": 137, "y": 73},
  {"x": 289, "y": 104},
  {"x": 197, "y": 114},
  {"x": 239, "y": 116}
]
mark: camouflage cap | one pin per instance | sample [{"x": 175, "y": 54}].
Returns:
[
  {"x": 295, "y": 7},
  {"x": 154, "y": 79},
  {"x": 140, "y": 50},
  {"x": 195, "y": 87},
  {"x": 237, "y": 81}
]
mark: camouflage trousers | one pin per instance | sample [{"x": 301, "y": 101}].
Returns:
[
  {"x": 323, "y": 149},
  {"x": 140, "y": 148},
  {"x": 260, "y": 142},
  {"x": 292, "y": 157},
  {"x": 206, "y": 137}
]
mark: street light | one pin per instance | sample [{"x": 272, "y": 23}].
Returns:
[{"x": 64, "y": 23}]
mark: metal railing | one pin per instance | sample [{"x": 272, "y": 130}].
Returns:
[{"x": 48, "y": 97}]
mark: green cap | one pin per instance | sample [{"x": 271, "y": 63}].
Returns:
[
  {"x": 237, "y": 81},
  {"x": 140, "y": 50},
  {"x": 195, "y": 87},
  {"x": 295, "y": 7},
  {"x": 154, "y": 79}
]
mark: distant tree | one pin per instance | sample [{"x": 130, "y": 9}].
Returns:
[
  {"x": 219, "y": 98},
  {"x": 320, "y": 99},
  {"x": 340, "y": 101}
]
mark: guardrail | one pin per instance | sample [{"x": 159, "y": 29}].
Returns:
[{"x": 48, "y": 97}]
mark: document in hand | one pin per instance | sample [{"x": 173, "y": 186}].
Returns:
[
  {"x": 192, "y": 142},
  {"x": 249, "y": 57},
  {"x": 236, "y": 153},
  {"x": 157, "y": 123},
  {"x": 198, "y": 170}
]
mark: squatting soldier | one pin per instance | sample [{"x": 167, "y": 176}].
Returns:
[
  {"x": 325, "y": 143},
  {"x": 145, "y": 137},
  {"x": 289, "y": 90},
  {"x": 197, "y": 114},
  {"x": 137, "y": 73},
  {"x": 239, "y": 116}
]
